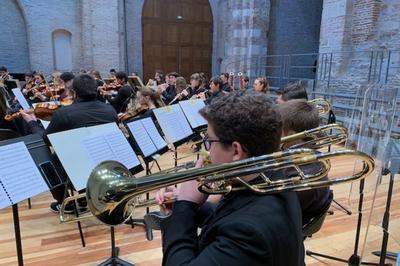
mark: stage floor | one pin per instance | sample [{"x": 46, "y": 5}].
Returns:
[{"x": 47, "y": 242}]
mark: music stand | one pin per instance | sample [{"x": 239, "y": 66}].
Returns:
[
  {"x": 174, "y": 126},
  {"x": 374, "y": 129},
  {"x": 40, "y": 154}
]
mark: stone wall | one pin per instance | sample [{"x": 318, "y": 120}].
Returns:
[
  {"x": 13, "y": 42},
  {"x": 243, "y": 27}
]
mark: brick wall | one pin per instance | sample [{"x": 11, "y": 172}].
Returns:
[
  {"x": 243, "y": 27},
  {"x": 13, "y": 42}
]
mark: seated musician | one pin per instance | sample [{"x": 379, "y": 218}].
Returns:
[
  {"x": 4, "y": 75},
  {"x": 146, "y": 101},
  {"x": 261, "y": 85},
  {"x": 215, "y": 90},
  {"x": 120, "y": 101},
  {"x": 169, "y": 93},
  {"x": 298, "y": 116},
  {"x": 245, "y": 228},
  {"x": 291, "y": 91},
  {"x": 84, "y": 112},
  {"x": 225, "y": 82},
  {"x": 182, "y": 90}
]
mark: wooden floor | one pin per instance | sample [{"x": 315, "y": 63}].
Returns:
[{"x": 47, "y": 242}]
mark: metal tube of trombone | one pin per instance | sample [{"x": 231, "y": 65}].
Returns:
[{"x": 112, "y": 193}]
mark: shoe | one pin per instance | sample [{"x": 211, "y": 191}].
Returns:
[{"x": 56, "y": 207}]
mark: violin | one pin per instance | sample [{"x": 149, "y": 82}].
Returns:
[
  {"x": 139, "y": 111},
  {"x": 42, "y": 111}
]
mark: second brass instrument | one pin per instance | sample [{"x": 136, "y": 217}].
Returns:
[{"x": 113, "y": 194}]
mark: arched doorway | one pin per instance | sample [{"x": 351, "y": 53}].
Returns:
[
  {"x": 177, "y": 36},
  {"x": 14, "y": 52}
]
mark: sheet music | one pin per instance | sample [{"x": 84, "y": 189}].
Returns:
[
  {"x": 19, "y": 175},
  {"x": 109, "y": 146},
  {"x": 4, "y": 199},
  {"x": 155, "y": 136},
  {"x": 21, "y": 99},
  {"x": 191, "y": 110},
  {"x": 122, "y": 149},
  {"x": 142, "y": 138},
  {"x": 75, "y": 157},
  {"x": 173, "y": 123}
]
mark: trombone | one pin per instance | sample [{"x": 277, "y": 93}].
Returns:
[
  {"x": 112, "y": 194},
  {"x": 318, "y": 137},
  {"x": 323, "y": 106}
]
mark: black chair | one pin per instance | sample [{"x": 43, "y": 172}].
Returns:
[
  {"x": 8, "y": 134},
  {"x": 315, "y": 224}
]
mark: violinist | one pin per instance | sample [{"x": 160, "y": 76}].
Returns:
[
  {"x": 35, "y": 94},
  {"x": 86, "y": 111},
  {"x": 29, "y": 82},
  {"x": 146, "y": 101},
  {"x": 4, "y": 75},
  {"x": 120, "y": 101},
  {"x": 112, "y": 73}
]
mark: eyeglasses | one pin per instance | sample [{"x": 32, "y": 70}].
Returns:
[{"x": 207, "y": 142}]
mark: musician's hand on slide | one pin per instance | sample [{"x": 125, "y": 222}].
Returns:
[
  {"x": 164, "y": 194},
  {"x": 28, "y": 117}
]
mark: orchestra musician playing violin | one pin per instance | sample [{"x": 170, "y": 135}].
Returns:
[
  {"x": 120, "y": 101},
  {"x": 85, "y": 111},
  {"x": 146, "y": 100},
  {"x": 245, "y": 228}
]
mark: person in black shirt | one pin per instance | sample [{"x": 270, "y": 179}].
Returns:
[
  {"x": 170, "y": 92},
  {"x": 298, "y": 116},
  {"x": 215, "y": 89},
  {"x": 84, "y": 112},
  {"x": 225, "y": 82},
  {"x": 120, "y": 101},
  {"x": 291, "y": 91},
  {"x": 245, "y": 228}
]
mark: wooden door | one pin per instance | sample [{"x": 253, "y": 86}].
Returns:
[{"x": 177, "y": 36}]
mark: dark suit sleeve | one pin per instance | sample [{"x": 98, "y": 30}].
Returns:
[
  {"x": 118, "y": 101},
  {"x": 238, "y": 243}
]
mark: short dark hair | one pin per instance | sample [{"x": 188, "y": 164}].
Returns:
[
  {"x": 85, "y": 86},
  {"x": 3, "y": 68},
  {"x": 294, "y": 90},
  {"x": 226, "y": 75},
  {"x": 257, "y": 126},
  {"x": 246, "y": 78},
  {"x": 30, "y": 74},
  {"x": 112, "y": 70},
  {"x": 175, "y": 74},
  {"x": 298, "y": 115},
  {"x": 121, "y": 75},
  {"x": 67, "y": 76},
  {"x": 217, "y": 81}
]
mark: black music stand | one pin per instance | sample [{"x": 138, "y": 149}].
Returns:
[
  {"x": 40, "y": 154},
  {"x": 114, "y": 259},
  {"x": 392, "y": 168}
]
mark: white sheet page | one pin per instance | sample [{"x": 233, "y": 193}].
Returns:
[
  {"x": 121, "y": 149},
  {"x": 155, "y": 136},
  {"x": 21, "y": 99},
  {"x": 97, "y": 149},
  {"x": 191, "y": 110},
  {"x": 173, "y": 123},
  {"x": 142, "y": 138},
  {"x": 18, "y": 173},
  {"x": 4, "y": 199}
]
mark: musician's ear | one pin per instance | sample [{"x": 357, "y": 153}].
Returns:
[{"x": 239, "y": 153}]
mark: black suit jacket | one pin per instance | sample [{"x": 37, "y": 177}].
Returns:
[
  {"x": 245, "y": 229},
  {"x": 82, "y": 113}
]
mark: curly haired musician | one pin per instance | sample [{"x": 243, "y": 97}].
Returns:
[{"x": 244, "y": 228}]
